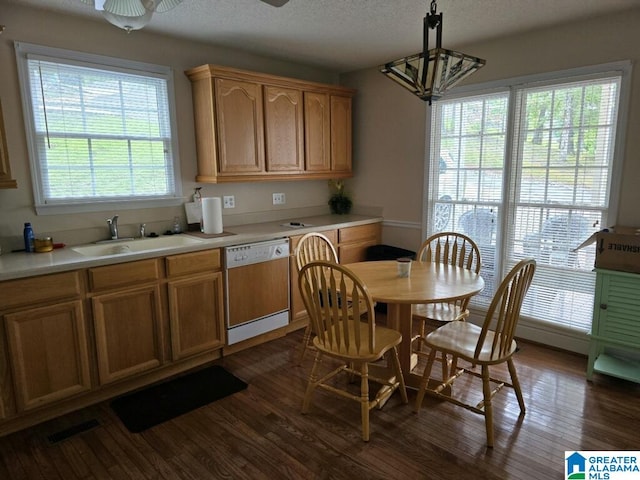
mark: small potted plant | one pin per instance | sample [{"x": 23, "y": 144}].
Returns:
[{"x": 339, "y": 202}]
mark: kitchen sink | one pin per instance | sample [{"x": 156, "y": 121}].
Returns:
[{"x": 118, "y": 247}]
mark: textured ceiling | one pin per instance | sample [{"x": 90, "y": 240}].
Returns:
[{"x": 345, "y": 35}]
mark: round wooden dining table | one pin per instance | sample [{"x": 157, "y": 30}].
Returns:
[{"x": 428, "y": 282}]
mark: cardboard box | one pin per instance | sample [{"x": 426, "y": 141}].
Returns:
[{"x": 617, "y": 248}]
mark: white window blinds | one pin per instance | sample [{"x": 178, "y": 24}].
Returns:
[
  {"x": 100, "y": 133},
  {"x": 527, "y": 172}
]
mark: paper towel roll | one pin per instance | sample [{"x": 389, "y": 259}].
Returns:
[{"x": 212, "y": 215}]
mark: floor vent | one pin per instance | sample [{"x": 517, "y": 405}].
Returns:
[{"x": 71, "y": 431}]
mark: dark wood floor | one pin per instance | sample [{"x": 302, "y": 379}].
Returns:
[{"x": 260, "y": 432}]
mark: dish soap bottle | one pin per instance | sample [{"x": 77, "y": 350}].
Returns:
[
  {"x": 176, "y": 225},
  {"x": 28, "y": 237}
]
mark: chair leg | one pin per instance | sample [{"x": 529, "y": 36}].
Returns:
[
  {"x": 305, "y": 342},
  {"x": 516, "y": 384},
  {"x": 425, "y": 380},
  {"x": 445, "y": 366},
  {"x": 488, "y": 408},
  {"x": 312, "y": 384},
  {"x": 399, "y": 376},
  {"x": 364, "y": 399}
]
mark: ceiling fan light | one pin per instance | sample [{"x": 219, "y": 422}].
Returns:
[
  {"x": 166, "y": 5},
  {"x": 128, "y": 23},
  {"x": 125, "y": 8}
]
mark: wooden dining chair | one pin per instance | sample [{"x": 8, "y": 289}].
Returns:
[
  {"x": 483, "y": 347},
  {"x": 312, "y": 246},
  {"x": 349, "y": 334},
  {"x": 453, "y": 249}
]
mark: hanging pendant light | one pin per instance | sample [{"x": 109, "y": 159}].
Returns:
[{"x": 431, "y": 73}]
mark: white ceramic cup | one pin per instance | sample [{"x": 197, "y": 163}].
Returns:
[{"x": 404, "y": 267}]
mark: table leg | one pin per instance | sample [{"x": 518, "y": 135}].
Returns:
[{"x": 399, "y": 317}]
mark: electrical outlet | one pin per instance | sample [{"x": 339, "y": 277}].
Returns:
[
  {"x": 279, "y": 199},
  {"x": 229, "y": 201}
]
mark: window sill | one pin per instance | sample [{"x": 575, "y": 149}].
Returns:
[{"x": 61, "y": 209}]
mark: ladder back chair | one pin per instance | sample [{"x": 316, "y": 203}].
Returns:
[
  {"x": 312, "y": 246},
  {"x": 348, "y": 334},
  {"x": 483, "y": 347}
]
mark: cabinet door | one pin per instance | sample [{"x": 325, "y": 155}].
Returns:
[
  {"x": 49, "y": 353},
  {"x": 340, "y": 134},
  {"x": 317, "y": 124},
  {"x": 284, "y": 142},
  {"x": 5, "y": 168},
  {"x": 354, "y": 241},
  {"x": 240, "y": 127},
  {"x": 196, "y": 314},
  {"x": 128, "y": 332},
  {"x": 618, "y": 309}
]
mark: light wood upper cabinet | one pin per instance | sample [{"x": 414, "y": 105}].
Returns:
[
  {"x": 317, "y": 132},
  {"x": 341, "y": 134},
  {"x": 255, "y": 127},
  {"x": 240, "y": 127},
  {"x": 5, "y": 168},
  {"x": 283, "y": 114}
]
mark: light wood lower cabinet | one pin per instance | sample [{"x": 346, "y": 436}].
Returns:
[
  {"x": 128, "y": 330},
  {"x": 196, "y": 303},
  {"x": 127, "y": 318},
  {"x": 46, "y": 357},
  {"x": 49, "y": 352},
  {"x": 351, "y": 244},
  {"x": 354, "y": 241}
]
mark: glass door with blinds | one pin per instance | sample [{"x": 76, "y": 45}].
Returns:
[{"x": 527, "y": 172}]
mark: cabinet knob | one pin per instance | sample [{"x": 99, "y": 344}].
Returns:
[{"x": 603, "y": 306}]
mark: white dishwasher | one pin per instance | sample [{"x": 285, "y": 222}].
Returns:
[{"x": 257, "y": 287}]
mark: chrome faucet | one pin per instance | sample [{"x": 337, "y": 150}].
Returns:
[
  {"x": 113, "y": 227},
  {"x": 143, "y": 226}
]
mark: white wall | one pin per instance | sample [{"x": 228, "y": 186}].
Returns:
[{"x": 63, "y": 31}]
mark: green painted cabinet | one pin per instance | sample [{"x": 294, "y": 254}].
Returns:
[{"x": 615, "y": 332}]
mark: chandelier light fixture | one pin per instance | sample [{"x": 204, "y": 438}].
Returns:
[
  {"x": 430, "y": 73},
  {"x": 131, "y": 15}
]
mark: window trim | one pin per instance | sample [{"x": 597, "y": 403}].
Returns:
[{"x": 25, "y": 51}]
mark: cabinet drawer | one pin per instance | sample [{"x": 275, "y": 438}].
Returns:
[
  {"x": 30, "y": 291},
  {"x": 195, "y": 262},
  {"x": 332, "y": 235},
  {"x": 114, "y": 276},
  {"x": 359, "y": 233}
]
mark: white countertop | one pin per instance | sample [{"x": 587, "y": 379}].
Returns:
[{"x": 21, "y": 264}]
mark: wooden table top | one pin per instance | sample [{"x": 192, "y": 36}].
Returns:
[{"x": 429, "y": 282}]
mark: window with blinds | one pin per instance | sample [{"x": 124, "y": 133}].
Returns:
[
  {"x": 100, "y": 129},
  {"x": 527, "y": 172}
]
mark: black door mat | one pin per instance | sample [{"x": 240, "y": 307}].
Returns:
[{"x": 159, "y": 403}]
